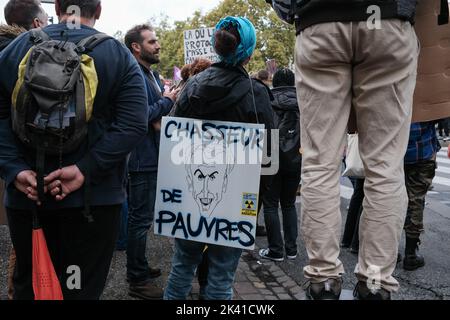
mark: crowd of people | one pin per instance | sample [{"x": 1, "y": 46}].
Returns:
[{"x": 101, "y": 195}]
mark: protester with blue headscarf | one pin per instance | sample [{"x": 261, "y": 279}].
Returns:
[
  {"x": 223, "y": 92},
  {"x": 247, "y": 37}
]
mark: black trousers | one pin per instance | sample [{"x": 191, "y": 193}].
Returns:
[
  {"x": 444, "y": 127},
  {"x": 72, "y": 241},
  {"x": 351, "y": 231}
]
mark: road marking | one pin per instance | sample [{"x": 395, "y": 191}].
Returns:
[
  {"x": 443, "y": 170},
  {"x": 441, "y": 160},
  {"x": 441, "y": 181},
  {"x": 347, "y": 192}
]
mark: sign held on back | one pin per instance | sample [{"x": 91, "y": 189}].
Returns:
[{"x": 208, "y": 181}]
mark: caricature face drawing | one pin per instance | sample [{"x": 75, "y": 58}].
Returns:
[{"x": 208, "y": 182}]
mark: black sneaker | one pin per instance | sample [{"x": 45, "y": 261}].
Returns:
[
  {"x": 327, "y": 290},
  {"x": 267, "y": 254},
  {"x": 362, "y": 292}
]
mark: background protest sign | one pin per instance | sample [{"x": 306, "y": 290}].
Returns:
[
  {"x": 208, "y": 181},
  {"x": 197, "y": 44}
]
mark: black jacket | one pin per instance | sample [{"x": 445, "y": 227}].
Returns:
[
  {"x": 285, "y": 99},
  {"x": 310, "y": 12},
  {"x": 225, "y": 94},
  {"x": 145, "y": 157},
  {"x": 318, "y": 11},
  {"x": 287, "y": 120},
  {"x": 118, "y": 123}
]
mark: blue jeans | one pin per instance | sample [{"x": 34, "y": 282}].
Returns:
[
  {"x": 222, "y": 265},
  {"x": 121, "y": 243},
  {"x": 282, "y": 191},
  {"x": 141, "y": 204}
]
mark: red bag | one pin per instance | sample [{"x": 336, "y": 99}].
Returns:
[{"x": 46, "y": 285}]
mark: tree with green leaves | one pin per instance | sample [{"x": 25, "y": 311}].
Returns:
[{"x": 275, "y": 39}]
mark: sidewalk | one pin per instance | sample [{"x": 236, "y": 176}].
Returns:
[
  {"x": 261, "y": 280},
  {"x": 256, "y": 279}
]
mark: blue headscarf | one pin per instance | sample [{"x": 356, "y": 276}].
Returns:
[{"x": 248, "y": 39}]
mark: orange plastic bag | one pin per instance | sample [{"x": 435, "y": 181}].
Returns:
[{"x": 46, "y": 285}]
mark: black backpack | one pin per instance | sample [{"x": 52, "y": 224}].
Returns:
[
  {"x": 54, "y": 95},
  {"x": 288, "y": 124}
]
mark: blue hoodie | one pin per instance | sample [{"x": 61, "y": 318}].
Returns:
[{"x": 119, "y": 122}]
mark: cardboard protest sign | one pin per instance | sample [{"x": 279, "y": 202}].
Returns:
[
  {"x": 198, "y": 44},
  {"x": 432, "y": 96},
  {"x": 208, "y": 181}
]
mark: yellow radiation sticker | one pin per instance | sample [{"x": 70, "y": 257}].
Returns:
[{"x": 249, "y": 204}]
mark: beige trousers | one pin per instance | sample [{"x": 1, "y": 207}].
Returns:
[{"x": 339, "y": 65}]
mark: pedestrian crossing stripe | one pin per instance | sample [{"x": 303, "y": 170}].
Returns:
[
  {"x": 442, "y": 169},
  {"x": 442, "y": 160},
  {"x": 441, "y": 181},
  {"x": 347, "y": 192},
  {"x": 249, "y": 204}
]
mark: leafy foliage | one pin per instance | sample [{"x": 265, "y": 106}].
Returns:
[{"x": 275, "y": 39}]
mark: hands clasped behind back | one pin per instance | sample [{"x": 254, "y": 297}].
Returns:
[{"x": 59, "y": 183}]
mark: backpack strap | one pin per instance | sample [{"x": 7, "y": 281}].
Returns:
[
  {"x": 38, "y": 35},
  {"x": 86, "y": 45},
  {"x": 89, "y": 43},
  {"x": 443, "y": 17}
]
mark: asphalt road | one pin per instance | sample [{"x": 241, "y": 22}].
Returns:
[{"x": 431, "y": 282}]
